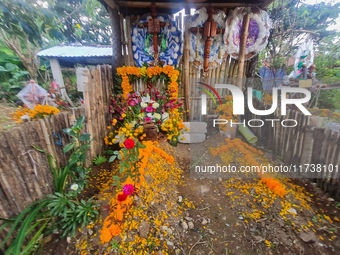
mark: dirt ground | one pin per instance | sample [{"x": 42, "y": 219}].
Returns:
[{"x": 220, "y": 218}]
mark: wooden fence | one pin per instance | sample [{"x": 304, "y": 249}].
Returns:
[
  {"x": 25, "y": 175},
  {"x": 299, "y": 145}
]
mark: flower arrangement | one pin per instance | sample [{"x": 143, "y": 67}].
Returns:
[
  {"x": 173, "y": 126},
  {"x": 39, "y": 112},
  {"x": 132, "y": 109}
]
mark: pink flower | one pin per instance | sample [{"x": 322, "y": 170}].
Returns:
[
  {"x": 149, "y": 109},
  {"x": 128, "y": 189},
  {"x": 147, "y": 119},
  {"x": 132, "y": 103}
]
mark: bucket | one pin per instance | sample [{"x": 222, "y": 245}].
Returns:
[{"x": 245, "y": 131}]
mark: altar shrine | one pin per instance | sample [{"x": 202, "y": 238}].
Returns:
[{"x": 209, "y": 42}]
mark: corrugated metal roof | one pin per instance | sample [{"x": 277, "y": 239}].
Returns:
[{"x": 76, "y": 52}]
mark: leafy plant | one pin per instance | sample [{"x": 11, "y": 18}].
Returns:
[
  {"x": 129, "y": 161},
  {"x": 99, "y": 160},
  {"x": 32, "y": 218},
  {"x": 63, "y": 208},
  {"x": 75, "y": 166},
  {"x": 72, "y": 212}
]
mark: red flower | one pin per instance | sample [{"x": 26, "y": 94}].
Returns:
[
  {"x": 142, "y": 110},
  {"x": 154, "y": 110},
  {"x": 129, "y": 143},
  {"x": 159, "y": 122},
  {"x": 150, "y": 104},
  {"x": 121, "y": 197}
]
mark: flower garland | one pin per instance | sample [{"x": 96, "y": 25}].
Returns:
[
  {"x": 122, "y": 203},
  {"x": 128, "y": 73}
]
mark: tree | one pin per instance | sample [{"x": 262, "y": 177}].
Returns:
[
  {"x": 85, "y": 21},
  {"x": 292, "y": 22},
  {"x": 22, "y": 30},
  {"x": 327, "y": 60}
]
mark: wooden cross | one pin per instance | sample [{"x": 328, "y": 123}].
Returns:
[
  {"x": 209, "y": 31},
  {"x": 154, "y": 26}
]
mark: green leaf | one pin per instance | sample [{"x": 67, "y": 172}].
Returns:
[
  {"x": 142, "y": 146},
  {"x": 84, "y": 137},
  {"x": 112, "y": 158},
  {"x": 109, "y": 152},
  {"x": 121, "y": 169},
  {"x": 116, "y": 178},
  {"x": 79, "y": 122},
  {"x": 68, "y": 147}
]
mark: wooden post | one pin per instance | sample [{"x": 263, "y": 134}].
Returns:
[
  {"x": 186, "y": 67},
  {"x": 116, "y": 39},
  {"x": 58, "y": 77},
  {"x": 87, "y": 101},
  {"x": 307, "y": 148},
  {"x": 243, "y": 45}
]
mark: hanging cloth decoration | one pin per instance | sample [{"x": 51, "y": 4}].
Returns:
[
  {"x": 258, "y": 33},
  {"x": 169, "y": 42},
  {"x": 198, "y": 40},
  {"x": 303, "y": 56}
]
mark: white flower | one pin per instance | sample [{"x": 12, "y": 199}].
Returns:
[
  {"x": 74, "y": 186},
  {"x": 157, "y": 116},
  {"x": 120, "y": 139},
  {"x": 133, "y": 123},
  {"x": 149, "y": 114},
  {"x": 144, "y": 104},
  {"x": 155, "y": 105}
]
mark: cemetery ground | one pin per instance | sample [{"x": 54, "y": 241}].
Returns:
[{"x": 212, "y": 216}]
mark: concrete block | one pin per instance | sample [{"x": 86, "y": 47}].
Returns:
[
  {"x": 192, "y": 138},
  {"x": 195, "y": 127}
]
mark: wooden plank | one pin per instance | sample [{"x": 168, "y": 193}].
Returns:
[
  {"x": 94, "y": 113},
  {"x": 100, "y": 107},
  {"x": 243, "y": 45},
  {"x": 308, "y": 143},
  {"x": 186, "y": 67},
  {"x": 87, "y": 100},
  {"x": 122, "y": 38},
  {"x": 12, "y": 178},
  {"x": 129, "y": 41},
  {"x": 25, "y": 165},
  {"x": 35, "y": 137}
]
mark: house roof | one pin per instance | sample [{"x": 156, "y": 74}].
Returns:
[
  {"x": 69, "y": 55},
  {"x": 139, "y": 7}
]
